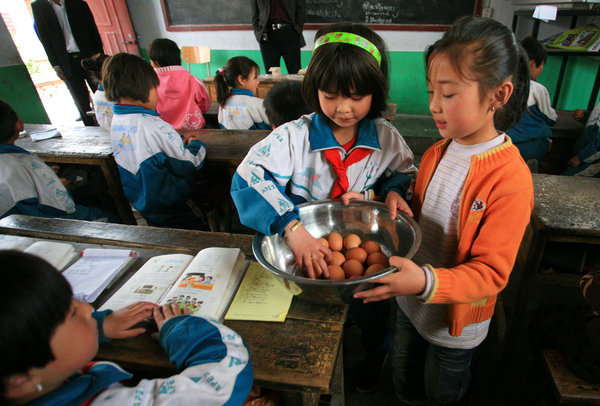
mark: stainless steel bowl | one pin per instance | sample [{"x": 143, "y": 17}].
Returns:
[{"x": 369, "y": 219}]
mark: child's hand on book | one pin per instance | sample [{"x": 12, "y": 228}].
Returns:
[
  {"x": 166, "y": 312},
  {"x": 119, "y": 324}
]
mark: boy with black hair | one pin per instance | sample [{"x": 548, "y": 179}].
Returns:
[
  {"x": 532, "y": 134},
  {"x": 48, "y": 341},
  {"x": 29, "y": 186},
  {"x": 182, "y": 98},
  {"x": 157, "y": 170},
  {"x": 284, "y": 103}
]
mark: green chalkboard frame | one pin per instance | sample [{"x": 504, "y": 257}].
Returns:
[{"x": 309, "y": 25}]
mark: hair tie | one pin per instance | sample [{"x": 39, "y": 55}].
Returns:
[
  {"x": 352, "y": 39},
  {"x": 221, "y": 71}
]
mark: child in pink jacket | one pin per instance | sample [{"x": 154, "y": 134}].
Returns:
[{"x": 182, "y": 98}]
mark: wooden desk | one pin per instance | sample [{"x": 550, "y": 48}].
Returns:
[
  {"x": 567, "y": 209},
  {"x": 568, "y": 388},
  {"x": 297, "y": 356},
  {"x": 82, "y": 145}
]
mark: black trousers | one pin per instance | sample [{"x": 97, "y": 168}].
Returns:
[
  {"x": 285, "y": 43},
  {"x": 76, "y": 83}
]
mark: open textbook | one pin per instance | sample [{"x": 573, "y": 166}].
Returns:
[{"x": 205, "y": 284}]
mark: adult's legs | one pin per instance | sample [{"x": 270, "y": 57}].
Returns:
[
  {"x": 290, "y": 49},
  {"x": 76, "y": 83},
  {"x": 270, "y": 53}
]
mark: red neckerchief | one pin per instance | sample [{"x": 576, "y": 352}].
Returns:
[{"x": 340, "y": 167}]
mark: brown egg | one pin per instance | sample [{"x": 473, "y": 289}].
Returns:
[
  {"x": 370, "y": 246},
  {"x": 351, "y": 241},
  {"x": 323, "y": 241},
  {"x": 336, "y": 273},
  {"x": 336, "y": 242},
  {"x": 317, "y": 269},
  {"x": 373, "y": 269},
  {"x": 356, "y": 253},
  {"x": 337, "y": 258},
  {"x": 353, "y": 268},
  {"x": 377, "y": 258}
]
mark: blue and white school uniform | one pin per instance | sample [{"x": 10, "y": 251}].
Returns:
[
  {"x": 587, "y": 148},
  {"x": 213, "y": 363},
  {"x": 531, "y": 135},
  {"x": 103, "y": 108},
  {"x": 289, "y": 167},
  {"x": 243, "y": 111},
  {"x": 157, "y": 170},
  {"x": 29, "y": 186}
]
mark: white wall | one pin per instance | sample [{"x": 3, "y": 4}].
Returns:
[{"x": 149, "y": 23}]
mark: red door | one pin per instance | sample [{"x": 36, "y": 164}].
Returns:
[{"x": 115, "y": 27}]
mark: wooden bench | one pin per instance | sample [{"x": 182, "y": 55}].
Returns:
[{"x": 569, "y": 388}]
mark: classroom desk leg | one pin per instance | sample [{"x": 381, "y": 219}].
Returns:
[{"x": 113, "y": 181}]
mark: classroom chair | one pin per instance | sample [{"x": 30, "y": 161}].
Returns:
[{"x": 196, "y": 54}]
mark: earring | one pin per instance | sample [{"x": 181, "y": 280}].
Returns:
[
  {"x": 39, "y": 387},
  {"x": 493, "y": 108}
]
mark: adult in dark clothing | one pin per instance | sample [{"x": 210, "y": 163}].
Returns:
[
  {"x": 278, "y": 29},
  {"x": 67, "y": 30}
]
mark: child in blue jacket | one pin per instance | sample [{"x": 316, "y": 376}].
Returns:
[
  {"x": 48, "y": 340},
  {"x": 29, "y": 186},
  {"x": 157, "y": 170},
  {"x": 586, "y": 161},
  {"x": 532, "y": 134}
]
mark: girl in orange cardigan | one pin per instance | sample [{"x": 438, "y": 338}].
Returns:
[{"x": 472, "y": 199}]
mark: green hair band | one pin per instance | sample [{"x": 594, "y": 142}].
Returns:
[{"x": 352, "y": 39}]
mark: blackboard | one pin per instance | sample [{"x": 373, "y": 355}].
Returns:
[{"x": 183, "y": 15}]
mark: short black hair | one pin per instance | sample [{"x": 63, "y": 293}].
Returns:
[
  {"x": 127, "y": 75},
  {"x": 36, "y": 300},
  {"x": 164, "y": 52},
  {"x": 93, "y": 65},
  {"x": 8, "y": 121},
  {"x": 535, "y": 50},
  {"x": 284, "y": 102},
  {"x": 340, "y": 67}
]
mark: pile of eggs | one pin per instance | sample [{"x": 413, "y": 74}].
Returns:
[{"x": 351, "y": 257}]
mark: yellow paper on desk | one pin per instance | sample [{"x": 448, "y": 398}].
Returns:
[{"x": 260, "y": 297}]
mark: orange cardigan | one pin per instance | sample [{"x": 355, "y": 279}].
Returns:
[{"x": 495, "y": 208}]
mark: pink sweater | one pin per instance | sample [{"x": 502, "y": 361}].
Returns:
[{"x": 182, "y": 98}]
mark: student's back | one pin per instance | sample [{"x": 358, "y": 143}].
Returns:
[
  {"x": 157, "y": 170},
  {"x": 182, "y": 98}
]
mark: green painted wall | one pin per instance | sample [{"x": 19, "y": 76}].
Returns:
[
  {"x": 408, "y": 88},
  {"x": 17, "y": 89}
]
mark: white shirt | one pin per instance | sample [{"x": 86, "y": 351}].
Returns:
[{"x": 61, "y": 15}]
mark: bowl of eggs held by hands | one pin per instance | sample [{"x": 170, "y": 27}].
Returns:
[{"x": 362, "y": 238}]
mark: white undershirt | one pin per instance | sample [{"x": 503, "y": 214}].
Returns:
[{"x": 61, "y": 15}]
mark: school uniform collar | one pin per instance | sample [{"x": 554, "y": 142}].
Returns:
[
  {"x": 82, "y": 386},
  {"x": 130, "y": 109},
  {"x": 12, "y": 149},
  {"x": 244, "y": 92},
  {"x": 321, "y": 137}
]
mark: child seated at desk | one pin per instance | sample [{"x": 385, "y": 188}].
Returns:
[
  {"x": 586, "y": 161},
  {"x": 236, "y": 85},
  {"x": 48, "y": 341},
  {"x": 531, "y": 135},
  {"x": 284, "y": 103},
  {"x": 103, "y": 109},
  {"x": 157, "y": 170},
  {"x": 182, "y": 98},
  {"x": 29, "y": 186}
]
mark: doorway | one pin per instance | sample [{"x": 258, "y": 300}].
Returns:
[{"x": 117, "y": 33}]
